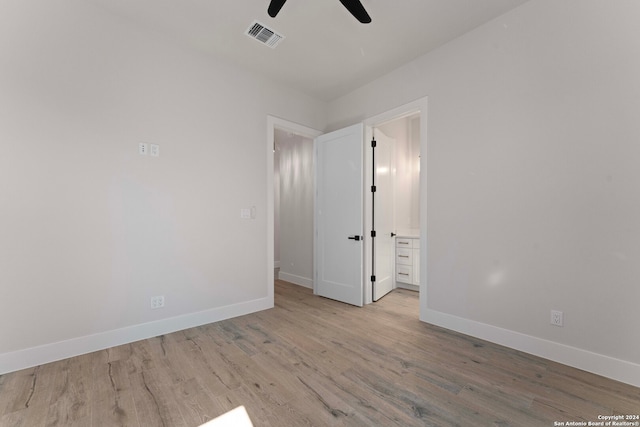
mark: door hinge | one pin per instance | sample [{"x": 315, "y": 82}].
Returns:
[
  {"x": 373, "y": 278},
  {"x": 373, "y": 189},
  {"x": 373, "y": 233}
]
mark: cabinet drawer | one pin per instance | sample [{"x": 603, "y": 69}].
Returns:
[
  {"x": 404, "y": 273},
  {"x": 404, "y": 256},
  {"x": 404, "y": 243}
]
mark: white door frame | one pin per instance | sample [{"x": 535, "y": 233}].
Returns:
[
  {"x": 274, "y": 123},
  {"x": 419, "y": 105}
]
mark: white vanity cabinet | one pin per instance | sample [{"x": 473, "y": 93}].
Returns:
[{"x": 408, "y": 261}]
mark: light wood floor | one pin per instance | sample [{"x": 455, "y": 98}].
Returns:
[{"x": 311, "y": 361}]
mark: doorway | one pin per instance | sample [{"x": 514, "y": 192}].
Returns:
[
  {"x": 289, "y": 214},
  {"x": 401, "y": 253},
  {"x": 407, "y": 126},
  {"x": 293, "y": 207},
  {"x": 416, "y": 107},
  {"x": 356, "y": 209}
]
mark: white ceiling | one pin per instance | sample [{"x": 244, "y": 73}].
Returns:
[{"x": 326, "y": 52}]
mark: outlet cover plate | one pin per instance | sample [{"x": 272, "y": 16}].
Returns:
[
  {"x": 557, "y": 318},
  {"x": 157, "y": 302}
]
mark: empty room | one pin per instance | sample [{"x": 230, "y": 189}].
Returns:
[{"x": 147, "y": 192}]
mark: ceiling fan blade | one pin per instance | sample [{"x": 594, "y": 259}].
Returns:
[
  {"x": 274, "y": 7},
  {"x": 357, "y": 10}
]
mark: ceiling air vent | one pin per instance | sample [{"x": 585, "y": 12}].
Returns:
[{"x": 264, "y": 35}]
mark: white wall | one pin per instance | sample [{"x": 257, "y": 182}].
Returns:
[
  {"x": 90, "y": 230},
  {"x": 414, "y": 160},
  {"x": 406, "y": 132},
  {"x": 276, "y": 206},
  {"x": 295, "y": 155},
  {"x": 532, "y": 185}
]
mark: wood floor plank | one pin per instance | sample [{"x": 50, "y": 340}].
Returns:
[
  {"x": 311, "y": 361},
  {"x": 196, "y": 403},
  {"x": 70, "y": 394},
  {"x": 112, "y": 402},
  {"x": 22, "y": 418},
  {"x": 31, "y": 390},
  {"x": 261, "y": 381},
  {"x": 212, "y": 368},
  {"x": 154, "y": 401},
  {"x": 508, "y": 411}
]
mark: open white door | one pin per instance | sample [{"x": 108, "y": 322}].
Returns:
[
  {"x": 339, "y": 215},
  {"x": 383, "y": 159}
]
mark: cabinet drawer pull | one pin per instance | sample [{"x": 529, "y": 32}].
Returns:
[
  {"x": 403, "y": 256},
  {"x": 403, "y": 274},
  {"x": 403, "y": 243}
]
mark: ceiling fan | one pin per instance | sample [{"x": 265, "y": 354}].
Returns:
[{"x": 353, "y": 6}]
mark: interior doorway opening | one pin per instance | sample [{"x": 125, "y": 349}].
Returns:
[
  {"x": 416, "y": 110},
  {"x": 401, "y": 247},
  {"x": 293, "y": 207},
  {"x": 400, "y": 210},
  {"x": 290, "y": 189}
]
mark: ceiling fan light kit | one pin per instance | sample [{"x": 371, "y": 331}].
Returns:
[{"x": 353, "y": 6}]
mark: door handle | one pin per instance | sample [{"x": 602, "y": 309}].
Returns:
[
  {"x": 393, "y": 234},
  {"x": 357, "y": 238}
]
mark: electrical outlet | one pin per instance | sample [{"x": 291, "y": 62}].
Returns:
[
  {"x": 557, "y": 318},
  {"x": 248, "y": 213},
  {"x": 155, "y": 150},
  {"x": 142, "y": 148},
  {"x": 157, "y": 302}
]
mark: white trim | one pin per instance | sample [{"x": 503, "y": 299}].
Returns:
[
  {"x": 276, "y": 264},
  {"x": 398, "y": 113},
  {"x": 296, "y": 280},
  {"x": 34, "y": 356},
  {"x": 619, "y": 370},
  {"x": 301, "y": 130}
]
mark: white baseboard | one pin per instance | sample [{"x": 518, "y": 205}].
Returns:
[
  {"x": 34, "y": 356},
  {"x": 297, "y": 280},
  {"x": 408, "y": 286},
  {"x": 616, "y": 369}
]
